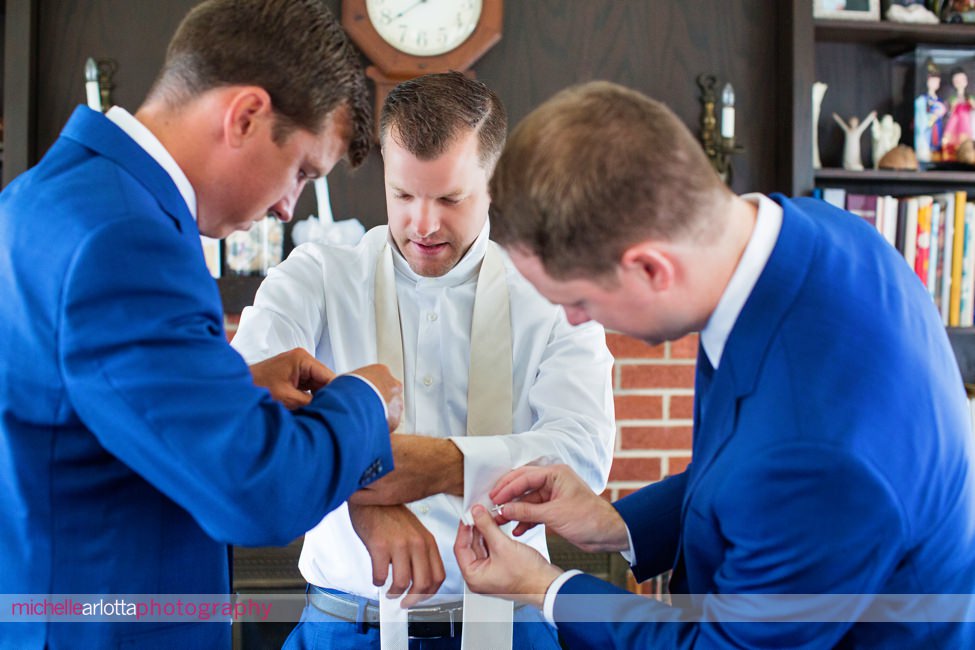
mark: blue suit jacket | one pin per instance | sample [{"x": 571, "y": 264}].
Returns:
[
  {"x": 133, "y": 444},
  {"x": 832, "y": 455}
]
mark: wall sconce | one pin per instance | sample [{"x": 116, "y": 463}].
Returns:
[
  {"x": 98, "y": 83},
  {"x": 718, "y": 146}
]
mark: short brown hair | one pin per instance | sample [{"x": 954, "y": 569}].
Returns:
[
  {"x": 594, "y": 170},
  {"x": 293, "y": 49},
  {"x": 430, "y": 111}
]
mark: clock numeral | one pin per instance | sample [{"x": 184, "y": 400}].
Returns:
[
  {"x": 402, "y": 33},
  {"x": 421, "y": 39},
  {"x": 460, "y": 20},
  {"x": 442, "y": 36},
  {"x": 386, "y": 17}
]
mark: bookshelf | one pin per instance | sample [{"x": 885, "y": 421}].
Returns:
[
  {"x": 859, "y": 62},
  {"x": 865, "y": 65}
]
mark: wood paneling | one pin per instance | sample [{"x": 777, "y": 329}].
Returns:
[{"x": 656, "y": 46}]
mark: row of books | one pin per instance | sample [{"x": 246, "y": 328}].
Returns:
[{"x": 936, "y": 235}]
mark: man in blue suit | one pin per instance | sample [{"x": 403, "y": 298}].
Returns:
[
  {"x": 832, "y": 454},
  {"x": 134, "y": 444}
]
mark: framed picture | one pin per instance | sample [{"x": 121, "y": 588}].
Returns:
[
  {"x": 847, "y": 9},
  {"x": 944, "y": 105},
  {"x": 954, "y": 11}
]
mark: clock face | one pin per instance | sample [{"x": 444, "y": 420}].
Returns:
[{"x": 424, "y": 27}]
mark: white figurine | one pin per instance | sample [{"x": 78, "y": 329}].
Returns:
[
  {"x": 915, "y": 13},
  {"x": 886, "y": 135},
  {"x": 818, "y": 91},
  {"x": 851, "y": 147}
]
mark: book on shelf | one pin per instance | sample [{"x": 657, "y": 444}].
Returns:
[
  {"x": 935, "y": 233},
  {"x": 935, "y": 251},
  {"x": 965, "y": 305},
  {"x": 954, "y": 307},
  {"x": 922, "y": 241},
  {"x": 863, "y": 206},
  {"x": 910, "y": 232},
  {"x": 835, "y": 196}
]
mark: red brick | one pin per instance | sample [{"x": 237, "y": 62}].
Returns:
[
  {"x": 626, "y": 347},
  {"x": 681, "y": 407},
  {"x": 677, "y": 464},
  {"x": 639, "y": 407},
  {"x": 625, "y": 492},
  {"x": 645, "y": 375},
  {"x": 230, "y": 323},
  {"x": 663, "y": 437},
  {"x": 607, "y": 495},
  {"x": 685, "y": 348},
  {"x": 635, "y": 469}
]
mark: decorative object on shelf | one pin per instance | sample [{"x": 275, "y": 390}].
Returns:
[
  {"x": 818, "y": 92},
  {"x": 254, "y": 251},
  {"x": 847, "y": 9},
  {"x": 929, "y": 113},
  {"x": 886, "y": 134},
  {"x": 852, "y": 159},
  {"x": 958, "y": 124},
  {"x": 900, "y": 158},
  {"x": 408, "y": 38},
  {"x": 956, "y": 11},
  {"x": 966, "y": 152},
  {"x": 98, "y": 83},
  {"x": 909, "y": 11},
  {"x": 719, "y": 144},
  {"x": 324, "y": 228}
]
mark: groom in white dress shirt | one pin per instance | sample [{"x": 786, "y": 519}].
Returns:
[{"x": 524, "y": 387}]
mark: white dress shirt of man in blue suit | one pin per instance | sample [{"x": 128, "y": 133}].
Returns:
[
  {"x": 485, "y": 391},
  {"x": 831, "y": 497},
  {"x": 134, "y": 444}
]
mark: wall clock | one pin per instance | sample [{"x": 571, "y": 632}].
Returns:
[{"x": 407, "y": 38}]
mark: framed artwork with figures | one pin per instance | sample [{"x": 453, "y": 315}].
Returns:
[
  {"x": 847, "y": 9},
  {"x": 944, "y": 106}
]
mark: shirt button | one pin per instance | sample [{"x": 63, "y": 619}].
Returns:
[
  {"x": 431, "y": 317},
  {"x": 428, "y": 381},
  {"x": 424, "y": 510}
]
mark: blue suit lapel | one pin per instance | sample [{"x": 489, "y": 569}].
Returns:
[
  {"x": 96, "y": 132},
  {"x": 716, "y": 406}
]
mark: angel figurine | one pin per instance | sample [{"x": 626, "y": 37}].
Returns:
[{"x": 851, "y": 147}]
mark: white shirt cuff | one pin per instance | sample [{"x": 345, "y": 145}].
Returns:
[
  {"x": 548, "y": 607},
  {"x": 382, "y": 400},
  {"x": 628, "y": 553},
  {"x": 486, "y": 459}
]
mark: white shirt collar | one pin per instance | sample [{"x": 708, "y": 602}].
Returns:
[
  {"x": 152, "y": 146},
  {"x": 759, "y": 249},
  {"x": 463, "y": 271}
]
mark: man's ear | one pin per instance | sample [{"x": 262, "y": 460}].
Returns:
[
  {"x": 247, "y": 111},
  {"x": 650, "y": 263}
]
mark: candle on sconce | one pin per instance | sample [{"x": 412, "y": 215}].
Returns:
[
  {"x": 728, "y": 112},
  {"x": 92, "y": 91}
]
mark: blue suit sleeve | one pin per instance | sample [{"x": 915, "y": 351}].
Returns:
[
  {"x": 149, "y": 371},
  {"x": 802, "y": 519},
  {"x": 652, "y": 516}
]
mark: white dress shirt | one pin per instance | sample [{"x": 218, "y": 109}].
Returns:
[
  {"x": 715, "y": 334},
  {"x": 322, "y": 299}
]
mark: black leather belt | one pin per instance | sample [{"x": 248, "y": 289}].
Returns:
[{"x": 424, "y": 622}]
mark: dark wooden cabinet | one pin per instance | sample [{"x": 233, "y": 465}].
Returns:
[{"x": 867, "y": 66}]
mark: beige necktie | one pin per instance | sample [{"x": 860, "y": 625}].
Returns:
[{"x": 487, "y": 620}]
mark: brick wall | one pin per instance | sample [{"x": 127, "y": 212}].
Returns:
[{"x": 654, "y": 389}]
